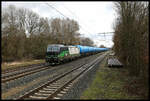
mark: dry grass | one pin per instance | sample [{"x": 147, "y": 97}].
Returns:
[
  {"x": 5, "y": 65},
  {"x": 109, "y": 83}
]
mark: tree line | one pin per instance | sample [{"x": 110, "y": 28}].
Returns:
[
  {"x": 131, "y": 38},
  {"x": 25, "y": 35}
]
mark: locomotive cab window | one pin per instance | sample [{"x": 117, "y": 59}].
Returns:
[
  {"x": 63, "y": 49},
  {"x": 53, "y": 49}
]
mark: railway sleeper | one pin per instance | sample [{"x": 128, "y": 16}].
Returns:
[
  {"x": 49, "y": 89},
  {"x": 63, "y": 92},
  {"x": 65, "y": 89},
  {"x": 70, "y": 84},
  {"x": 53, "y": 87},
  {"x": 55, "y": 83},
  {"x": 59, "y": 95},
  {"x": 56, "y": 98},
  {"x": 38, "y": 97},
  {"x": 42, "y": 94},
  {"x": 46, "y": 92}
]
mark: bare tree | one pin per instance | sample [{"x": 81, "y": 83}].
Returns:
[
  {"x": 32, "y": 20},
  {"x": 26, "y": 34},
  {"x": 131, "y": 38},
  {"x": 86, "y": 42}
]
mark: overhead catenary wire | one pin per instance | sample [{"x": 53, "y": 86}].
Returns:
[
  {"x": 56, "y": 10},
  {"x": 84, "y": 24},
  {"x": 78, "y": 19},
  {"x": 64, "y": 15},
  {"x": 74, "y": 15},
  {"x": 104, "y": 33}
]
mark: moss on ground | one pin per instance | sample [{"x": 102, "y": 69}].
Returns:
[
  {"x": 5, "y": 66},
  {"x": 109, "y": 84}
]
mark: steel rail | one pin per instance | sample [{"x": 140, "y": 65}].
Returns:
[{"x": 60, "y": 77}]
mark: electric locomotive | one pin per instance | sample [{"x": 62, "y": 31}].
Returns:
[{"x": 57, "y": 53}]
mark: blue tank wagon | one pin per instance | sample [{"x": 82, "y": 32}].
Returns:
[
  {"x": 83, "y": 50},
  {"x": 88, "y": 50}
]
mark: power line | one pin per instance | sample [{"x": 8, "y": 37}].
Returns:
[
  {"x": 106, "y": 32},
  {"x": 74, "y": 15},
  {"x": 56, "y": 10},
  {"x": 105, "y": 35},
  {"x": 70, "y": 11},
  {"x": 80, "y": 20},
  {"x": 63, "y": 14}
]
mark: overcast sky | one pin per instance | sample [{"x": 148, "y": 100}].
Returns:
[{"x": 93, "y": 17}]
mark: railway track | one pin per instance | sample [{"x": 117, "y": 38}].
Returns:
[
  {"x": 55, "y": 88},
  {"x": 20, "y": 68},
  {"x": 17, "y": 73}
]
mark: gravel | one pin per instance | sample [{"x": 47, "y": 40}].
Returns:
[
  {"x": 77, "y": 89},
  {"x": 48, "y": 72}
]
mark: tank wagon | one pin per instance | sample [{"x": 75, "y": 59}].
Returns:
[
  {"x": 57, "y": 53},
  {"x": 87, "y": 50}
]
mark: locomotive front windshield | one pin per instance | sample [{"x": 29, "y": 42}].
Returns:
[{"x": 53, "y": 49}]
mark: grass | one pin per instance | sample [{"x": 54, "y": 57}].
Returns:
[
  {"x": 109, "y": 84},
  {"x": 5, "y": 66}
]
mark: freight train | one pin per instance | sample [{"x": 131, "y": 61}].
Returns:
[{"x": 57, "y": 53}]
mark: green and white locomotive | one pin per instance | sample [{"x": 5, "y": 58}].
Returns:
[{"x": 57, "y": 53}]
